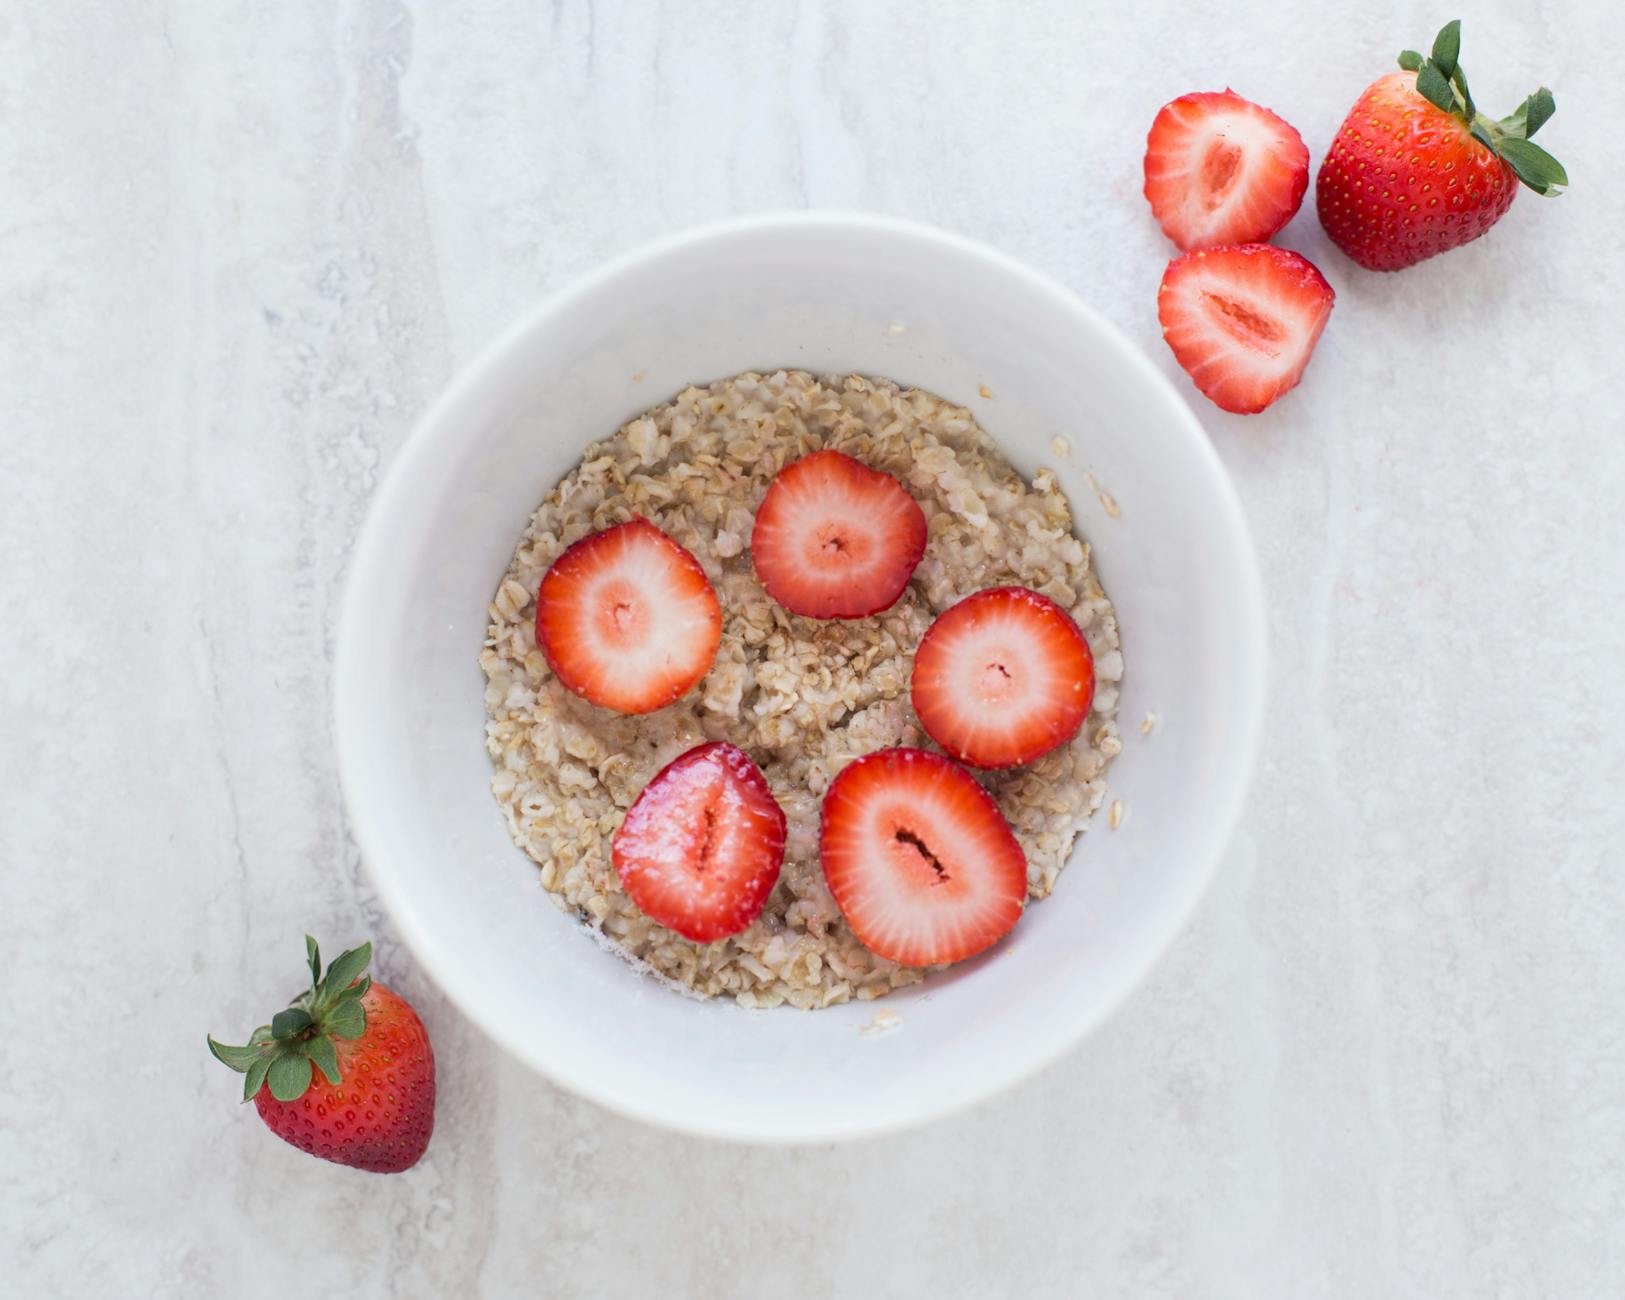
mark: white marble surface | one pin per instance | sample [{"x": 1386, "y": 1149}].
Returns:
[{"x": 244, "y": 244}]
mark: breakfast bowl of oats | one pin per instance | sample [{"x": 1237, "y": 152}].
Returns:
[{"x": 799, "y": 679}]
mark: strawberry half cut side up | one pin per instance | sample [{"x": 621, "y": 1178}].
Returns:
[
  {"x": 1416, "y": 169},
  {"x": 345, "y": 1072},
  {"x": 699, "y": 850},
  {"x": 836, "y": 539},
  {"x": 1003, "y": 677},
  {"x": 919, "y": 858},
  {"x": 628, "y": 619},
  {"x": 1221, "y": 170},
  {"x": 1243, "y": 321}
]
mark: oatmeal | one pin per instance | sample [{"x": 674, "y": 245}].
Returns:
[{"x": 803, "y": 697}]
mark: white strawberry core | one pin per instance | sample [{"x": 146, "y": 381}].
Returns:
[
  {"x": 995, "y": 683},
  {"x": 997, "y": 674},
  {"x": 839, "y": 541},
  {"x": 913, "y": 858},
  {"x": 1219, "y": 171},
  {"x": 920, "y": 845},
  {"x": 624, "y": 614},
  {"x": 643, "y": 620},
  {"x": 1245, "y": 324}
]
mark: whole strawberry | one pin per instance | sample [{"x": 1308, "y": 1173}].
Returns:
[
  {"x": 1416, "y": 170},
  {"x": 345, "y": 1072}
]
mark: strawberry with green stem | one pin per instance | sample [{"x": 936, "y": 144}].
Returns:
[
  {"x": 1416, "y": 169},
  {"x": 345, "y": 1071}
]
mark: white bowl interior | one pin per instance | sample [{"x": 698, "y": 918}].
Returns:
[{"x": 826, "y": 294}]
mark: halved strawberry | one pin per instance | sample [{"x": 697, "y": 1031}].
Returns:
[
  {"x": 1003, "y": 677},
  {"x": 700, "y": 848},
  {"x": 919, "y": 858},
  {"x": 1221, "y": 170},
  {"x": 1243, "y": 320},
  {"x": 836, "y": 539},
  {"x": 627, "y": 618}
]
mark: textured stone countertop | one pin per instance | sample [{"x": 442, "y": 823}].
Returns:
[{"x": 243, "y": 245}]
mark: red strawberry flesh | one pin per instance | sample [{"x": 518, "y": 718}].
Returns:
[
  {"x": 1219, "y": 169},
  {"x": 628, "y": 619},
  {"x": 1003, "y": 677},
  {"x": 836, "y": 539},
  {"x": 919, "y": 858},
  {"x": 699, "y": 850},
  {"x": 1243, "y": 320}
]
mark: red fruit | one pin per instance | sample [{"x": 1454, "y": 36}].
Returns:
[
  {"x": 1243, "y": 320},
  {"x": 345, "y": 1072},
  {"x": 1221, "y": 170},
  {"x": 699, "y": 851},
  {"x": 627, "y": 618},
  {"x": 1002, "y": 677},
  {"x": 919, "y": 859},
  {"x": 1415, "y": 169},
  {"x": 836, "y": 539}
]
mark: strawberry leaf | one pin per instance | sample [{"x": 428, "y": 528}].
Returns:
[
  {"x": 347, "y": 1020},
  {"x": 286, "y": 1024},
  {"x": 1460, "y": 79},
  {"x": 1434, "y": 87},
  {"x": 1481, "y": 133},
  {"x": 320, "y": 1050},
  {"x": 255, "y": 1079},
  {"x": 345, "y": 968},
  {"x": 1410, "y": 60},
  {"x": 289, "y": 1076},
  {"x": 1447, "y": 47},
  {"x": 1538, "y": 109},
  {"x": 1532, "y": 114},
  {"x": 238, "y": 1058},
  {"x": 285, "y": 1054},
  {"x": 1535, "y": 167}
]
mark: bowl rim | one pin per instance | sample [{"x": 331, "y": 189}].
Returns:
[{"x": 443, "y": 418}]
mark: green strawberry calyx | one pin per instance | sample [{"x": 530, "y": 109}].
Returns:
[
  {"x": 1440, "y": 81},
  {"x": 300, "y": 1038}
]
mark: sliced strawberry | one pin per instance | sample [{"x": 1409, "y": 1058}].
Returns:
[
  {"x": 1221, "y": 170},
  {"x": 699, "y": 850},
  {"x": 919, "y": 858},
  {"x": 627, "y": 618},
  {"x": 1002, "y": 677},
  {"x": 1243, "y": 320},
  {"x": 836, "y": 539}
]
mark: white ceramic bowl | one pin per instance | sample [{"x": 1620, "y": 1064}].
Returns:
[{"x": 827, "y": 293}]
